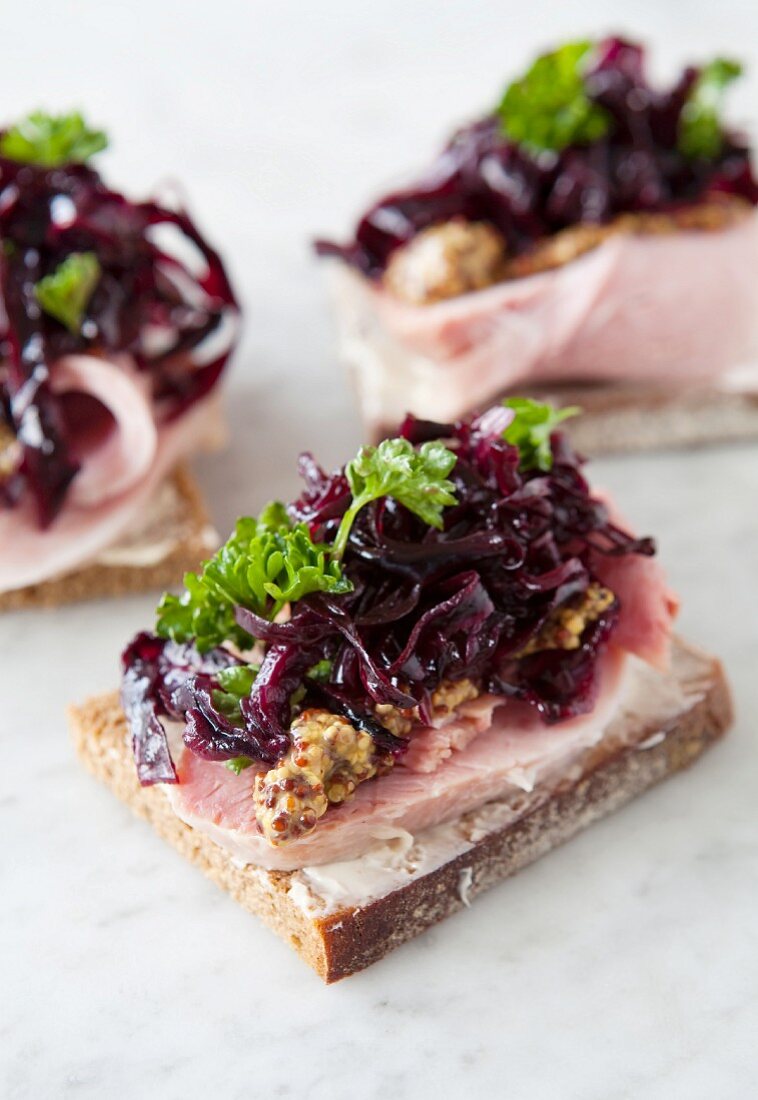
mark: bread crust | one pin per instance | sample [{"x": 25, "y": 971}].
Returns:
[
  {"x": 353, "y": 938},
  {"x": 620, "y": 418},
  {"x": 634, "y": 418},
  {"x": 98, "y": 580}
]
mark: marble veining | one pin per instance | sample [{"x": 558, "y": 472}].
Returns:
[{"x": 624, "y": 965}]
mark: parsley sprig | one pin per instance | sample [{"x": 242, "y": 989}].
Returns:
[
  {"x": 66, "y": 292},
  {"x": 700, "y": 130},
  {"x": 270, "y": 562},
  {"x": 548, "y": 107},
  {"x": 416, "y": 479},
  {"x": 52, "y": 140},
  {"x": 235, "y": 684},
  {"x": 531, "y": 428}
]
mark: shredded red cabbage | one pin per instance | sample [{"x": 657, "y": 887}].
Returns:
[
  {"x": 46, "y": 214},
  {"x": 636, "y": 166},
  {"x": 428, "y": 605},
  {"x": 155, "y": 674}
]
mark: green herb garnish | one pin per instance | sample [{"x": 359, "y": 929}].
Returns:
[
  {"x": 66, "y": 292},
  {"x": 235, "y": 684},
  {"x": 267, "y": 563},
  {"x": 270, "y": 562},
  {"x": 700, "y": 130},
  {"x": 416, "y": 479},
  {"x": 531, "y": 428},
  {"x": 548, "y": 108},
  {"x": 52, "y": 140}
]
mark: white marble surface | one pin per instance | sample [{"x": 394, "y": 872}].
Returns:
[{"x": 625, "y": 965}]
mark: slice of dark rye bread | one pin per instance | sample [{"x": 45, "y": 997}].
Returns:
[
  {"x": 191, "y": 531},
  {"x": 346, "y": 941}
]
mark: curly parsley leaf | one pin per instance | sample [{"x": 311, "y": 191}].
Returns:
[
  {"x": 548, "y": 107},
  {"x": 237, "y": 680},
  {"x": 202, "y": 614},
  {"x": 700, "y": 129},
  {"x": 235, "y": 684},
  {"x": 66, "y": 292},
  {"x": 268, "y": 562},
  {"x": 531, "y": 428},
  {"x": 52, "y": 140},
  {"x": 417, "y": 479}
]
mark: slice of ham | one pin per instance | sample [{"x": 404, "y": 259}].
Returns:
[
  {"x": 432, "y": 745},
  {"x": 87, "y": 526},
  {"x": 125, "y": 455},
  {"x": 516, "y": 750},
  {"x": 680, "y": 307},
  {"x": 648, "y": 606},
  {"x": 487, "y": 747}
]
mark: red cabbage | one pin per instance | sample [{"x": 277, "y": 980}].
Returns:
[
  {"x": 141, "y": 285},
  {"x": 154, "y": 673},
  {"x": 427, "y": 605},
  {"x": 482, "y": 176}
]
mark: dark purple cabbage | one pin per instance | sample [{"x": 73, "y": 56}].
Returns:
[
  {"x": 544, "y": 679},
  {"x": 325, "y": 496},
  {"x": 427, "y": 606},
  {"x": 211, "y": 734},
  {"x": 141, "y": 285},
  {"x": 155, "y": 674},
  {"x": 482, "y": 176}
]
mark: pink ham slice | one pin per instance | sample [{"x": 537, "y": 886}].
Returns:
[
  {"x": 516, "y": 749},
  {"x": 126, "y": 453},
  {"x": 430, "y": 746},
  {"x": 648, "y": 606},
  {"x": 29, "y": 555},
  {"x": 489, "y": 746},
  {"x": 643, "y": 308}
]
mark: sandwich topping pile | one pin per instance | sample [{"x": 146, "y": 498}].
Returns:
[
  {"x": 580, "y": 140},
  {"x": 361, "y": 637},
  {"x": 115, "y": 324}
]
